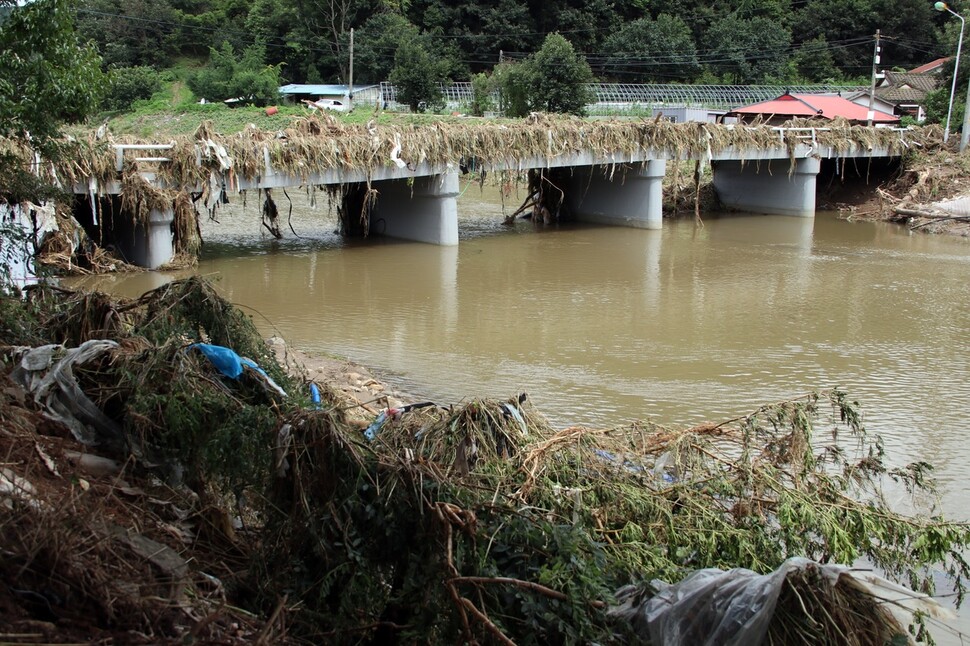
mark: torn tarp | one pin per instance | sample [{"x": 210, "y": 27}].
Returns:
[
  {"x": 230, "y": 364},
  {"x": 715, "y": 607}
]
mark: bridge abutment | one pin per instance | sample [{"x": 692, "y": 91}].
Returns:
[
  {"x": 618, "y": 195},
  {"x": 768, "y": 186},
  {"x": 423, "y": 209}
]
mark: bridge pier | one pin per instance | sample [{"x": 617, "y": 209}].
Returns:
[
  {"x": 423, "y": 209},
  {"x": 618, "y": 194},
  {"x": 146, "y": 244},
  {"x": 768, "y": 186}
]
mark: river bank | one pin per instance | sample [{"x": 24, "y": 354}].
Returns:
[
  {"x": 399, "y": 503},
  {"x": 929, "y": 194},
  {"x": 209, "y": 504}
]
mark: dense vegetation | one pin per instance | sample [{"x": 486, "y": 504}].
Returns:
[{"x": 638, "y": 41}]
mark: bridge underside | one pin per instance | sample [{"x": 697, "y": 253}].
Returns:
[
  {"x": 422, "y": 205},
  {"x": 425, "y": 209},
  {"x": 147, "y": 242}
]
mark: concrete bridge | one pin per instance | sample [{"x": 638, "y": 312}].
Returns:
[{"x": 418, "y": 201}]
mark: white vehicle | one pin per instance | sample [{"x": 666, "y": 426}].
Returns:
[{"x": 328, "y": 104}]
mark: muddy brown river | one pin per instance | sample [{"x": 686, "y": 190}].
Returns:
[{"x": 603, "y": 325}]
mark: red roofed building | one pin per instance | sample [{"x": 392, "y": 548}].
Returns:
[
  {"x": 809, "y": 106},
  {"x": 933, "y": 67}
]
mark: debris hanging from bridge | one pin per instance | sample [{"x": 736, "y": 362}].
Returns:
[
  {"x": 319, "y": 142},
  {"x": 225, "y": 512}
]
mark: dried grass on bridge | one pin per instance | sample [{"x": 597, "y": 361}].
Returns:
[{"x": 320, "y": 143}]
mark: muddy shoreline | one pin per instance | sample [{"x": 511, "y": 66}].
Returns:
[{"x": 364, "y": 391}]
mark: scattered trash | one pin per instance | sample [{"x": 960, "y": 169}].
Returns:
[
  {"x": 224, "y": 359},
  {"x": 388, "y": 414},
  {"x": 513, "y": 410},
  {"x": 375, "y": 427},
  {"x": 47, "y": 373},
  {"x": 13, "y": 487},
  {"x": 94, "y": 465},
  {"x": 283, "y": 441}
]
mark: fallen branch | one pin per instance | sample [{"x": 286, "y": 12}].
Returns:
[
  {"x": 264, "y": 634},
  {"x": 492, "y": 628},
  {"x": 940, "y": 219},
  {"x": 918, "y": 213}
]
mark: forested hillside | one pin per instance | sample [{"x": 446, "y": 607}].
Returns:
[{"x": 636, "y": 41}]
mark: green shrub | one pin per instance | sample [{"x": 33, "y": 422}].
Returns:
[{"x": 129, "y": 84}]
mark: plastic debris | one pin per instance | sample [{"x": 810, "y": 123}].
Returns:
[
  {"x": 284, "y": 439},
  {"x": 732, "y": 607},
  {"x": 224, "y": 359},
  {"x": 514, "y": 412},
  {"x": 625, "y": 463},
  {"x": 230, "y": 364},
  {"x": 375, "y": 427},
  {"x": 49, "y": 377},
  {"x": 266, "y": 379},
  {"x": 390, "y": 413},
  {"x": 315, "y": 395}
]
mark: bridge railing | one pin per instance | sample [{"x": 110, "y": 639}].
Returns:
[
  {"x": 809, "y": 135},
  {"x": 121, "y": 148}
]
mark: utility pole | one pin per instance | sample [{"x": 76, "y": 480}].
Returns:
[
  {"x": 350, "y": 89},
  {"x": 965, "y": 132},
  {"x": 871, "y": 115}
]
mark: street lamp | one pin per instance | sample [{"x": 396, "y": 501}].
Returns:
[{"x": 942, "y": 6}]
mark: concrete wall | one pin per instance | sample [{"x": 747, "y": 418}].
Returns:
[{"x": 147, "y": 244}]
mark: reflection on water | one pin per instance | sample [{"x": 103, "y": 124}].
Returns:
[{"x": 602, "y": 325}]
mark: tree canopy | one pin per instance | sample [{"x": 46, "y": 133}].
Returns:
[
  {"x": 417, "y": 76},
  {"x": 229, "y": 76},
  {"x": 744, "y": 41},
  {"x": 560, "y": 78},
  {"x": 554, "y": 79},
  {"x": 47, "y": 76},
  {"x": 652, "y": 50}
]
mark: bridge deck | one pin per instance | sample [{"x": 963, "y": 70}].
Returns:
[{"x": 387, "y": 155}]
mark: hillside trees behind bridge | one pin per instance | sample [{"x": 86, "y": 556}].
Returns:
[
  {"x": 634, "y": 41},
  {"x": 311, "y": 39}
]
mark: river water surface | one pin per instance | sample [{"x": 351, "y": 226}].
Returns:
[{"x": 604, "y": 325}]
